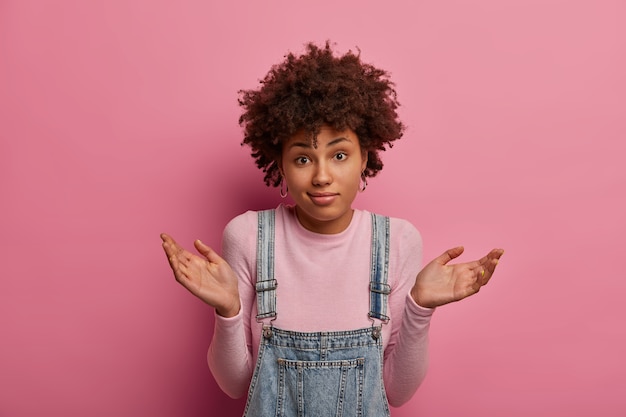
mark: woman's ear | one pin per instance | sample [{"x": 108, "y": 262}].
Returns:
[{"x": 364, "y": 159}]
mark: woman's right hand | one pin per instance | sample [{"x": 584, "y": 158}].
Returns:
[{"x": 209, "y": 278}]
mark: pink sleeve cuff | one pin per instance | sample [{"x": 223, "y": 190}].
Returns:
[{"x": 416, "y": 309}]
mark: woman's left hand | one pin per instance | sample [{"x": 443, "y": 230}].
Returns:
[{"x": 439, "y": 283}]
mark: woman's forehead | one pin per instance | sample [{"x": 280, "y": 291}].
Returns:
[{"x": 325, "y": 135}]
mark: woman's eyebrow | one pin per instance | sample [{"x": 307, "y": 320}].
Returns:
[
  {"x": 300, "y": 145},
  {"x": 308, "y": 144},
  {"x": 336, "y": 141}
]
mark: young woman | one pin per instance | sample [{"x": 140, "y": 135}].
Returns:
[{"x": 322, "y": 309}]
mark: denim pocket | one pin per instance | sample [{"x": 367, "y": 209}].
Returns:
[{"x": 320, "y": 388}]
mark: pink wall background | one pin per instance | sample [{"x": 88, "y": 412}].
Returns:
[{"x": 118, "y": 120}]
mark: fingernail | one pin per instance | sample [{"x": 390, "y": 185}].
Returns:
[{"x": 482, "y": 273}]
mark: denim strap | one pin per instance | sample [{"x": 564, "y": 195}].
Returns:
[
  {"x": 379, "y": 289},
  {"x": 265, "y": 282}
]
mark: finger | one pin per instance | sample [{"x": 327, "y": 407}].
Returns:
[
  {"x": 176, "y": 268},
  {"x": 488, "y": 261},
  {"x": 493, "y": 254},
  {"x": 450, "y": 254},
  {"x": 174, "y": 249},
  {"x": 176, "y": 256},
  {"x": 179, "y": 254},
  {"x": 170, "y": 244},
  {"x": 487, "y": 270},
  {"x": 483, "y": 277},
  {"x": 167, "y": 239},
  {"x": 207, "y": 252},
  {"x": 183, "y": 268},
  {"x": 492, "y": 259},
  {"x": 170, "y": 252},
  {"x": 169, "y": 249}
]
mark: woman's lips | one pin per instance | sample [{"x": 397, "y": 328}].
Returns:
[{"x": 323, "y": 199}]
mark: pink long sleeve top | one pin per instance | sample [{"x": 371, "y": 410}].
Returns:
[{"x": 323, "y": 285}]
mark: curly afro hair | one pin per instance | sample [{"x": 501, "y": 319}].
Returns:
[{"x": 314, "y": 89}]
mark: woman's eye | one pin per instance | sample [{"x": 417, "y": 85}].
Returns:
[
  {"x": 341, "y": 156},
  {"x": 301, "y": 160}
]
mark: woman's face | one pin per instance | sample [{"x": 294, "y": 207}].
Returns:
[{"x": 323, "y": 180}]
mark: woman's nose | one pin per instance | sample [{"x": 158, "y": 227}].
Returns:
[{"x": 322, "y": 175}]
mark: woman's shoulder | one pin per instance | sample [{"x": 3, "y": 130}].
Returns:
[
  {"x": 403, "y": 230},
  {"x": 240, "y": 226},
  {"x": 242, "y": 219},
  {"x": 246, "y": 223},
  {"x": 395, "y": 222},
  {"x": 406, "y": 233}
]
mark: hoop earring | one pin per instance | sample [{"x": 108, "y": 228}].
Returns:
[
  {"x": 283, "y": 193},
  {"x": 363, "y": 183}
]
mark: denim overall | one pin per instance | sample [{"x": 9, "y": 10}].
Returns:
[{"x": 319, "y": 374}]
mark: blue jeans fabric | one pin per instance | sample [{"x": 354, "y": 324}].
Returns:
[{"x": 319, "y": 373}]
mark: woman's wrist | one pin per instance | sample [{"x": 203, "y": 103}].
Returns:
[
  {"x": 416, "y": 296},
  {"x": 229, "y": 311}
]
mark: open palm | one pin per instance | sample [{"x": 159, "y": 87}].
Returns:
[
  {"x": 208, "y": 277},
  {"x": 440, "y": 283}
]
